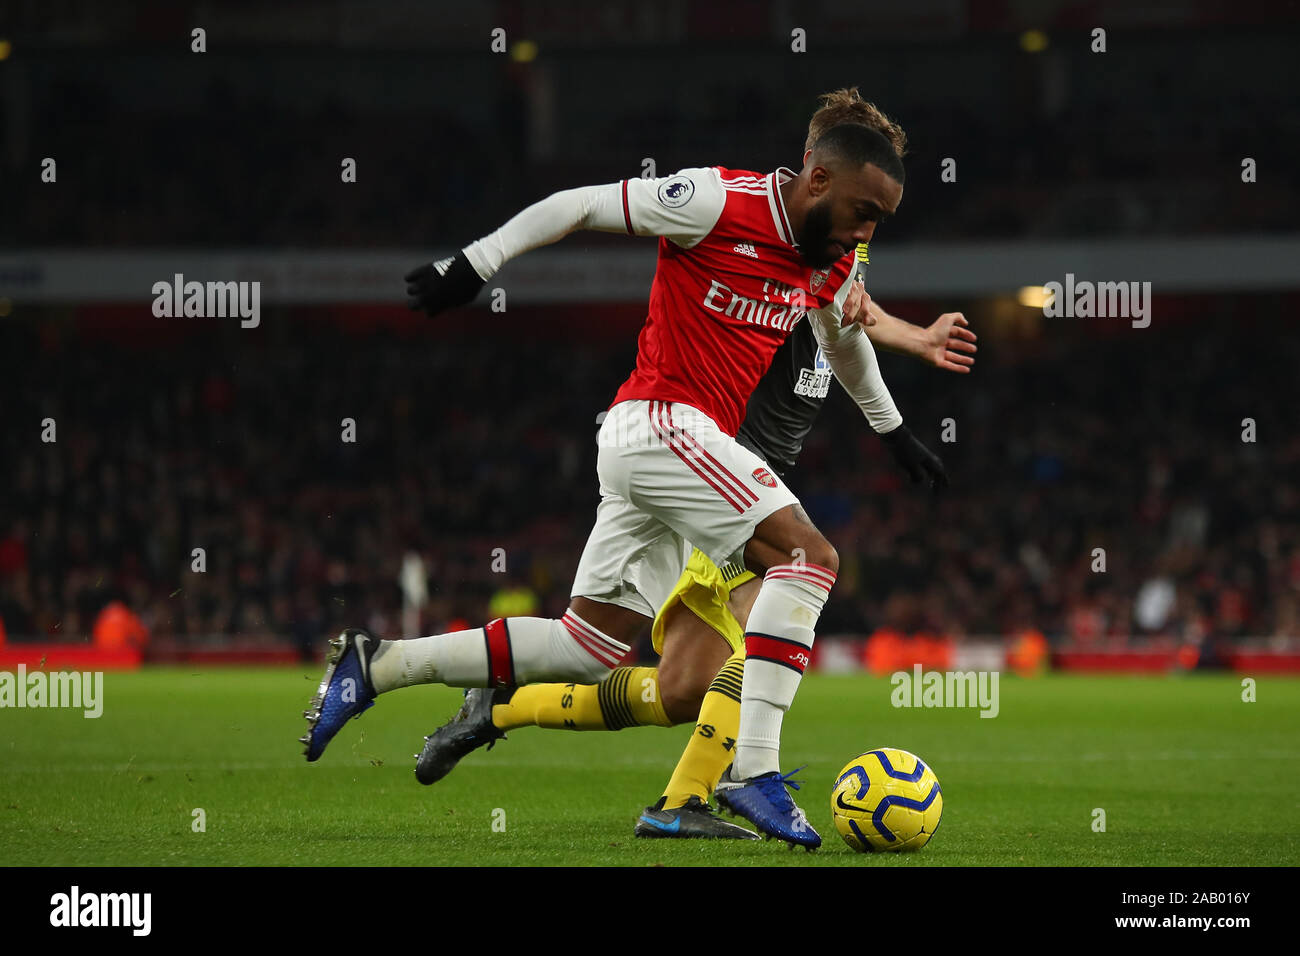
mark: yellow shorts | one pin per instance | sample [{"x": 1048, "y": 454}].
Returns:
[{"x": 704, "y": 588}]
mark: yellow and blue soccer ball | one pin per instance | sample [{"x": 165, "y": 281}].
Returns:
[{"x": 886, "y": 799}]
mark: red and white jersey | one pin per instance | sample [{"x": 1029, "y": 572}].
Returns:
[{"x": 728, "y": 288}]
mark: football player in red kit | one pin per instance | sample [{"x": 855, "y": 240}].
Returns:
[{"x": 743, "y": 257}]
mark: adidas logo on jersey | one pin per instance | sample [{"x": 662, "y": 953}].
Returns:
[{"x": 746, "y": 249}]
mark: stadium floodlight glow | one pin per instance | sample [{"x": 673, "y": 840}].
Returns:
[
  {"x": 1034, "y": 296},
  {"x": 1033, "y": 41},
  {"x": 525, "y": 51}
]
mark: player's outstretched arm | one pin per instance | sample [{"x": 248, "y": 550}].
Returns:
[
  {"x": 684, "y": 207},
  {"x": 947, "y": 343},
  {"x": 845, "y": 343},
  {"x": 921, "y": 464}
]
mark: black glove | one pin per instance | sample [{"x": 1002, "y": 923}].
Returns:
[
  {"x": 918, "y": 461},
  {"x": 445, "y": 284}
]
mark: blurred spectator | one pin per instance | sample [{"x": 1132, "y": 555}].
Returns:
[
  {"x": 232, "y": 444},
  {"x": 513, "y": 601},
  {"x": 119, "y": 627}
]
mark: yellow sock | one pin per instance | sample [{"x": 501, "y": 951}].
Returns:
[
  {"x": 628, "y": 697},
  {"x": 710, "y": 748}
]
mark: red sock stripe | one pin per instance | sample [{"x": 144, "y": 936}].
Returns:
[
  {"x": 610, "y": 649},
  {"x": 694, "y": 455},
  {"x": 778, "y": 650},
  {"x": 501, "y": 662},
  {"x": 592, "y": 641},
  {"x": 808, "y": 573}
]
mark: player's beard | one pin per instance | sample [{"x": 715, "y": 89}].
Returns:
[{"x": 815, "y": 240}]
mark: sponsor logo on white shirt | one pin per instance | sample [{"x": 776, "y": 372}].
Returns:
[{"x": 815, "y": 382}]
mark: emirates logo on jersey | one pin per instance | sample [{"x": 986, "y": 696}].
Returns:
[
  {"x": 819, "y": 279},
  {"x": 764, "y": 477},
  {"x": 767, "y": 313}
]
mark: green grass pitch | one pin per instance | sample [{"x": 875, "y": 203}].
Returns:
[{"x": 1187, "y": 773}]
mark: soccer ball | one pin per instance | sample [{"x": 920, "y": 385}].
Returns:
[{"x": 886, "y": 799}]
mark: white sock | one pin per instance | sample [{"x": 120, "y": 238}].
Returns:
[
  {"x": 506, "y": 652},
  {"x": 778, "y": 646}
]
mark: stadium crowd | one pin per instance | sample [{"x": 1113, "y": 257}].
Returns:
[
  {"x": 243, "y": 150},
  {"x": 1066, "y": 443}
]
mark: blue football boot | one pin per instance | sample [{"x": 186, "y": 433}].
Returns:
[
  {"x": 345, "y": 691},
  {"x": 764, "y": 802}
]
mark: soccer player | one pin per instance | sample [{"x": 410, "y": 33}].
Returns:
[
  {"x": 743, "y": 258},
  {"x": 700, "y": 631}
]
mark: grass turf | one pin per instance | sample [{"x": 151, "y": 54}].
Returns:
[{"x": 1187, "y": 773}]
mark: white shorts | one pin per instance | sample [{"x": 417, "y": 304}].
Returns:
[{"x": 669, "y": 479}]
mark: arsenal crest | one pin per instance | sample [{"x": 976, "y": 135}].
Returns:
[
  {"x": 818, "y": 279},
  {"x": 764, "y": 477}
]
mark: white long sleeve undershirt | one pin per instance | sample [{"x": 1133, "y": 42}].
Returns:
[
  {"x": 599, "y": 208},
  {"x": 683, "y": 207},
  {"x": 853, "y": 360}
]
